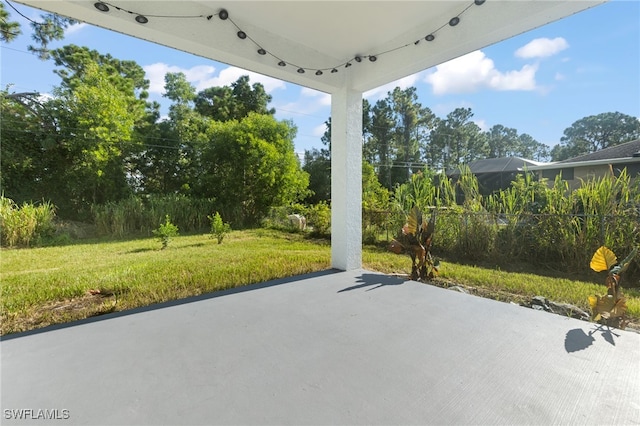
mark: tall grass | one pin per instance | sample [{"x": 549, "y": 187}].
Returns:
[
  {"x": 26, "y": 225},
  {"x": 529, "y": 222},
  {"x": 143, "y": 215}
]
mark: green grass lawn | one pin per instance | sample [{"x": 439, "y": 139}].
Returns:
[{"x": 49, "y": 285}]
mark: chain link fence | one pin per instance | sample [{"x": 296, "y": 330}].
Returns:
[{"x": 566, "y": 241}]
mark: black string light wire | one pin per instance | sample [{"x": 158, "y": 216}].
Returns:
[{"x": 223, "y": 14}]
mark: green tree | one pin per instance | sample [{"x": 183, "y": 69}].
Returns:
[
  {"x": 502, "y": 141},
  {"x": 456, "y": 140},
  {"x": 235, "y": 102},
  {"x": 98, "y": 128},
  {"x": 249, "y": 166},
  {"x": 9, "y": 30},
  {"x": 125, "y": 76},
  {"x": 179, "y": 90},
  {"x": 595, "y": 132},
  {"x": 374, "y": 195},
  {"x": 380, "y": 148},
  {"x": 25, "y": 128},
  {"x": 317, "y": 163},
  {"x": 50, "y": 27},
  {"x": 411, "y": 119},
  {"x": 403, "y": 105},
  {"x": 531, "y": 148},
  {"x": 97, "y": 113}
]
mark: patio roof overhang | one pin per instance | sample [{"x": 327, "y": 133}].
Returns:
[
  {"x": 322, "y": 35},
  {"x": 317, "y": 44}
]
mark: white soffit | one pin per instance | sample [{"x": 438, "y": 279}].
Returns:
[{"x": 322, "y": 34}]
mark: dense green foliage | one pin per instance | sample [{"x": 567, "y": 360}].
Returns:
[
  {"x": 589, "y": 134},
  {"x": 25, "y": 225},
  {"x": 530, "y": 222},
  {"x": 136, "y": 215},
  {"x": 98, "y": 144},
  {"x": 400, "y": 137}
]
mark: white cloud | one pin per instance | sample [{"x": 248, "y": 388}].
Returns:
[
  {"x": 474, "y": 71},
  {"x": 482, "y": 124},
  {"x": 322, "y": 98},
  {"x": 45, "y": 97},
  {"x": 73, "y": 29},
  {"x": 231, "y": 74},
  {"x": 203, "y": 76},
  {"x": 310, "y": 103},
  {"x": 560, "y": 76},
  {"x": 380, "y": 92},
  {"x": 542, "y": 48},
  {"x": 442, "y": 109},
  {"x": 319, "y": 130}
]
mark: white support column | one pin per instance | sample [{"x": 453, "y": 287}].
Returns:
[{"x": 346, "y": 179}]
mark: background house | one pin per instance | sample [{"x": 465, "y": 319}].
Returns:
[
  {"x": 594, "y": 165},
  {"x": 494, "y": 174}
]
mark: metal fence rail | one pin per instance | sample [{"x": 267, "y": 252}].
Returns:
[{"x": 565, "y": 239}]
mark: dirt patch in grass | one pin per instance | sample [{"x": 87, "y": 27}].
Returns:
[
  {"x": 91, "y": 304},
  {"x": 99, "y": 302}
]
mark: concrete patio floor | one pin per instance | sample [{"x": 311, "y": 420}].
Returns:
[{"x": 352, "y": 347}]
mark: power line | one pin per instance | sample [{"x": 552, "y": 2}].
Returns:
[{"x": 22, "y": 14}]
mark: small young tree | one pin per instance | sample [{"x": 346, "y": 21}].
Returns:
[
  {"x": 218, "y": 228},
  {"x": 165, "y": 232}
]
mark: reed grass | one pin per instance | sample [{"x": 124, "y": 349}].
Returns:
[
  {"x": 530, "y": 221},
  {"x": 25, "y": 225},
  {"x": 135, "y": 215}
]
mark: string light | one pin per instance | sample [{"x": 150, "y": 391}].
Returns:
[
  {"x": 101, "y": 7},
  {"x": 223, "y": 14}
]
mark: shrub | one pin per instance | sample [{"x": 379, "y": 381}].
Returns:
[
  {"x": 165, "y": 232},
  {"x": 319, "y": 218},
  {"x": 218, "y": 228}
]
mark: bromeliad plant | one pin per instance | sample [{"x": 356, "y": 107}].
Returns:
[{"x": 611, "y": 308}]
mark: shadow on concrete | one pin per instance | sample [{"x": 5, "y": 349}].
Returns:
[
  {"x": 377, "y": 280},
  {"x": 168, "y": 304},
  {"x": 577, "y": 339}
]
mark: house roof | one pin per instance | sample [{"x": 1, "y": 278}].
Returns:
[
  {"x": 497, "y": 165},
  {"x": 619, "y": 154},
  {"x": 299, "y": 39},
  {"x": 623, "y": 150}
]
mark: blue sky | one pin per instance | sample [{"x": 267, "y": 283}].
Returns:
[{"x": 539, "y": 82}]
